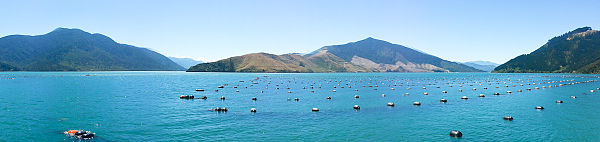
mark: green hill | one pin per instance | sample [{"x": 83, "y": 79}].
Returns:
[
  {"x": 76, "y": 50},
  {"x": 577, "y": 51}
]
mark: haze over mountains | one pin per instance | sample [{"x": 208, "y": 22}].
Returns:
[
  {"x": 482, "y": 65},
  {"x": 76, "y": 50},
  {"x": 185, "y": 62},
  {"x": 577, "y": 51},
  {"x": 368, "y": 55}
]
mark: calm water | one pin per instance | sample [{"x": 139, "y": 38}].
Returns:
[{"x": 144, "y": 106}]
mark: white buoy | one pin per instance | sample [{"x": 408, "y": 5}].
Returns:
[
  {"x": 253, "y": 110},
  {"x": 315, "y": 109},
  {"x": 390, "y": 104},
  {"x": 417, "y": 103},
  {"x": 464, "y": 97},
  {"x": 356, "y": 107}
]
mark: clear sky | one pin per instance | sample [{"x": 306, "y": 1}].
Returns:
[{"x": 454, "y": 30}]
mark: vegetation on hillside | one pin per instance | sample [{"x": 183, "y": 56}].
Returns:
[{"x": 577, "y": 51}]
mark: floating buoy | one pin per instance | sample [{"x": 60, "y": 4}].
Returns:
[
  {"x": 559, "y": 101},
  {"x": 425, "y": 93},
  {"x": 204, "y": 97},
  {"x": 572, "y": 97},
  {"x": 496, "y": 94},
  {"x": 390, "y": 104},
  {"x": 519, "y": 90},
  {"x": 416, "y": 103},
  {"x": 221, "y": 87},
  {"x": 464, "y": 97},
  {"x": 329, "y": 98},
  {"x": 510, "y": 118},
  {"x": 443, "y": 100},
  {"x": 334, "y": 91},
  {"x": 254, "y": 98},
  {"x": 444, "y": 91},
  {"x": 186, "y": 97},
  {"x": 508, "y": 92},
  {"x": 315, "y": 109},
  {"x": 382, "y": 95},
  {"x": 591, "y": 91},
  {"x": 455, "y": 133},
  {"x": 222, "y": 97},
  {"x": 459, "y": 90},
  {"x": 356, "y": 107},
  {"x": 296, "y": 99},
  {"x": 356, "y": 96},
  {"x": 253, "y": 110},
  {"x": 539, "y": 107},
  {"x": 199, "y": 90},
  {"x": 481, "y": 95}
]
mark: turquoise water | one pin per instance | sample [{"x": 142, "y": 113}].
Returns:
[{"x": 145, "y": 106}]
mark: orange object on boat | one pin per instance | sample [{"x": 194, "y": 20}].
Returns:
[{"x": 72, "y": 131}]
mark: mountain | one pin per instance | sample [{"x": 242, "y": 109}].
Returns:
[
  {"x": 185, "y": 62},
  {"x": 369, "y": 55},
  {"x": 381, "y": 56},
  {"x": 577, "y": 51},
  {"x": 482, "y": 65},
  {"x": 76, "y": 50},
  {"x": 264, "y": 62}
]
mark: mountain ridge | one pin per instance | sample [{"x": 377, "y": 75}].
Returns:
[
  {"x": 367, "y": 55},
  {"x": 66, "y": 49},
  {"x": 576, "y": 51}
]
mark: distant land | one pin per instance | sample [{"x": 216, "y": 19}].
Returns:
[
  {"x": 482, "y": 65},
  {"x": 577, "y": 51},
  {"x": 185, "y": 62},
  {"x": 368, "y": 55},
  {"x": 76, "y": 50}
]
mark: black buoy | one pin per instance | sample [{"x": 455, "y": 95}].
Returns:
[
  {"x": 496, "y": 93},
  {"x": 356, "y": 96},
  {"x": 559, "y": 101},
  {"x": 443, "y": 100},
  {"x": 222, "y": 97},
  {"x": 296, "y": 99},
  {"x": 455, "y": 133},
  {"x": 329, "y": 98},
  {"x": 510, "y": 118},
  {"x": 254, "y": 98},
  {"x": 539, "y": 107},
  {"x": 356, "y": 107},
  {"x": 204, "y": 97},
  {"x": 253, "y": 110}
]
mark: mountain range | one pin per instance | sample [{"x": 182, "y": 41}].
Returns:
[
  {"x": 368, "y": 55},
  {"x": 185, "y": 62},
  {"x": 76, "y": 50},
  {"x": 482, "y": 65},
  {"x": 577, "y": 51}
]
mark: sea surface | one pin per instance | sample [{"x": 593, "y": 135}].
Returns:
[{"x": 145, "y": 106}]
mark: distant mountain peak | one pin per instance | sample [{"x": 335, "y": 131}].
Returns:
[
  {"x": 68, "y": 30},
  {"x": 372, "y": 40}
]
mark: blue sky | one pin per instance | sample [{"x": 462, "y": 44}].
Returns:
[{"x": 456, "y": 30}]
